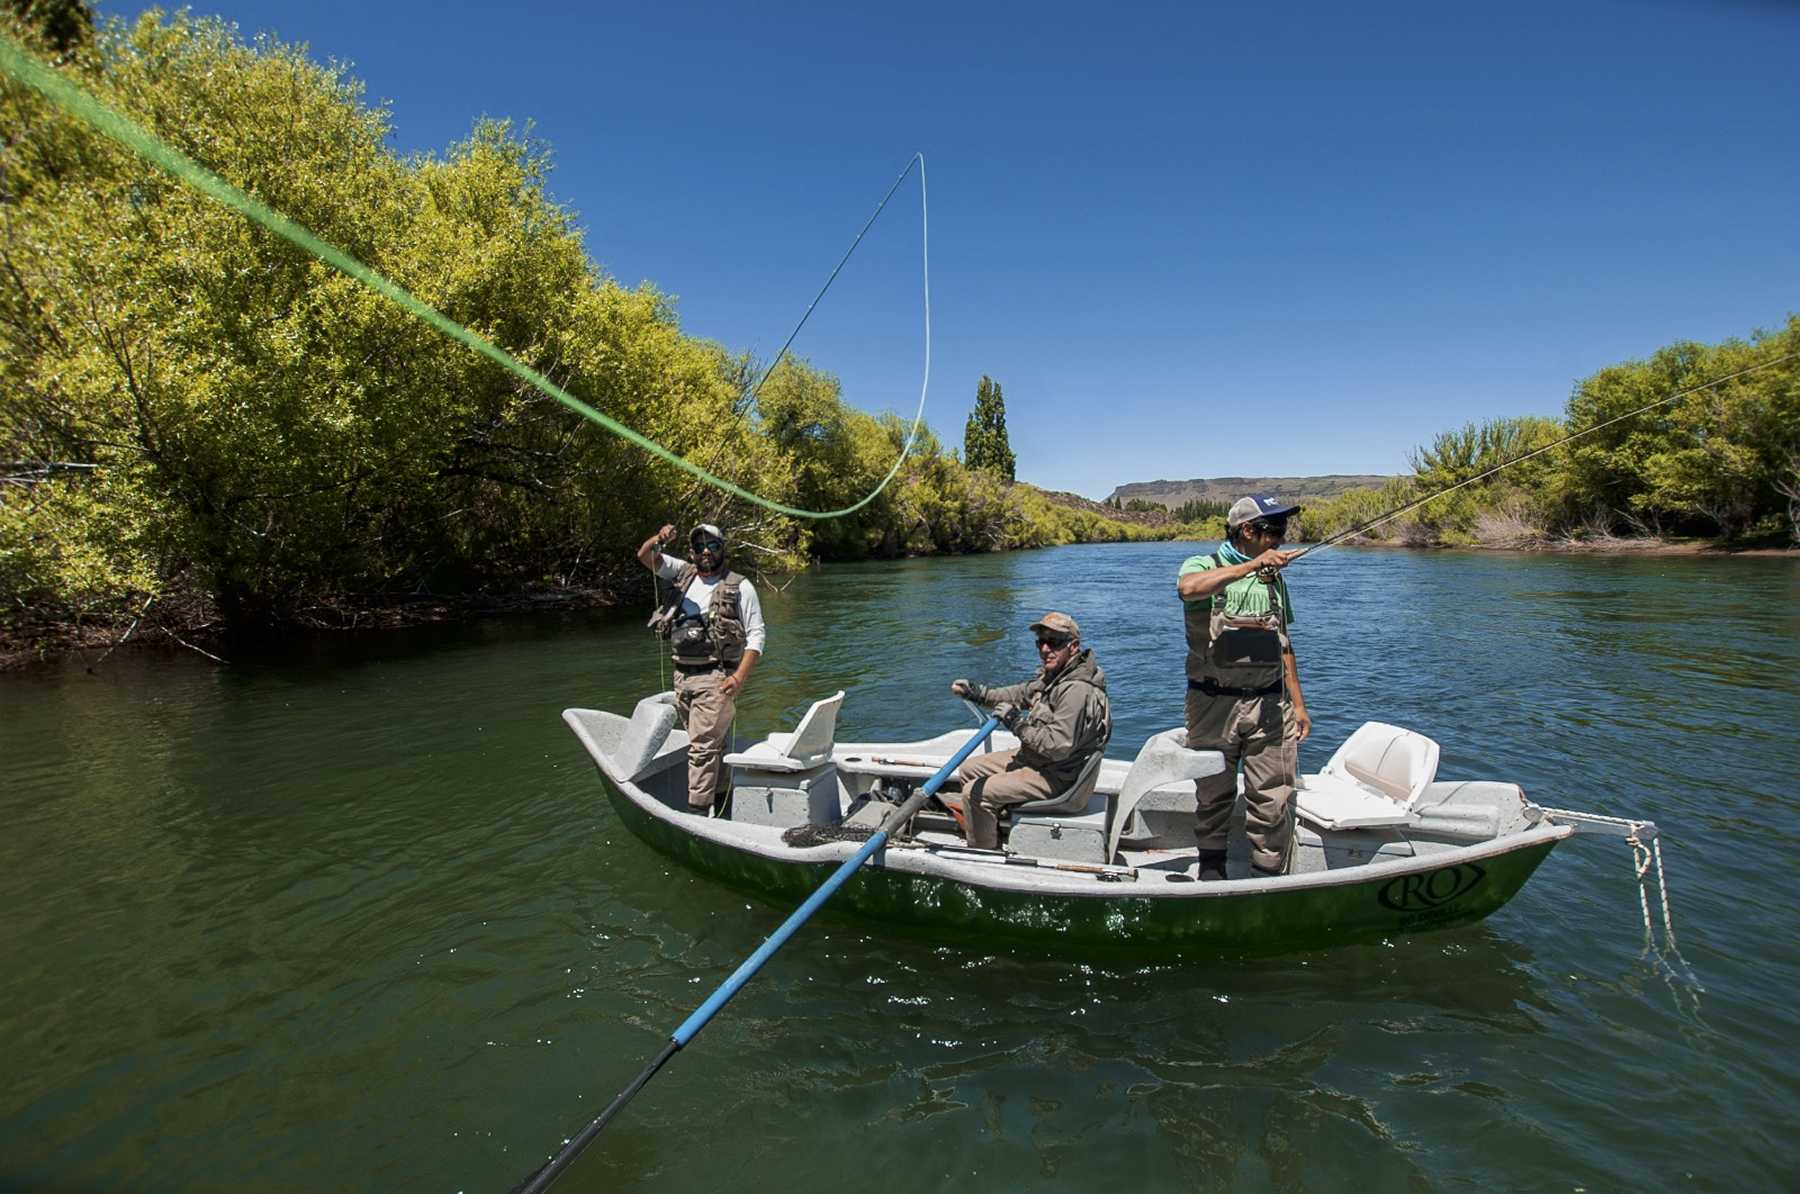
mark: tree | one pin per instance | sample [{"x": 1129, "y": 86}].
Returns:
[
  {"x": 64, "y": 25},
  {"x": 985, "y": 446}
]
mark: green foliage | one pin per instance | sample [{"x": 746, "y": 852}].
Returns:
[
  {"x": 1202, "y": 510},
  {"x": 62, "y": 26},
  {"x": 1715, "y": 461},
  {"x": 191, "y": 406},
  {"x": 985, "y": 444}
]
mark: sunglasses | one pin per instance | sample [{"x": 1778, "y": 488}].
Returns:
[
  {"x": 1054, "y": 643},
  {"x": 1270, "y": 526},
  {"x": 709, "y": 545}
]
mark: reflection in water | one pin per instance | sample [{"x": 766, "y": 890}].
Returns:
[{"x": 356, "y": 915}]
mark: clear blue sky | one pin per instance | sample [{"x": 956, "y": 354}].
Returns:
[{"x": 1188, "y": 240}]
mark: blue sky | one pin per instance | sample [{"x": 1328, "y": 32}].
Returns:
[{"x": 1187, "y": 240}]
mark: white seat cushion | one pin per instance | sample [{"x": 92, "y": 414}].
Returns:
[
  {"x": 1374, "y": 779},
  {"x": 1332, "y": 803}
]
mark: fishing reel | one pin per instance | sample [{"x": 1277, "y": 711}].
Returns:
[
  {"x": 1268, "y": 574},
  {"x": 893, "y": 791}
]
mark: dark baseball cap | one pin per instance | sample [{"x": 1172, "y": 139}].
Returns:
[{"x": 1257, "y": 505}]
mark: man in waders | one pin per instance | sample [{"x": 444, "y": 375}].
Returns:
[
  {"x": 1240, "y": 665},
  {"x": 714, "y": 625},
  {"x": 1062, "y": 718}
]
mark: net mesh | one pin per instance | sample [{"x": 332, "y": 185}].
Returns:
[{"x": 802, "y": 836}]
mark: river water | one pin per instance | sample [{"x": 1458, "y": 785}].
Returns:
[{"x": 357, "y": 916}]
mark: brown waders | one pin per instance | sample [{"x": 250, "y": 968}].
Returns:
[
  {"x": 706, "y": 712},
  {"x": 1234, "y": 706},
  {"x": 994, "y": 781}
]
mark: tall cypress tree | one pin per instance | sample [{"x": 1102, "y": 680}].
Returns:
[{"x": 985, "y": 445}]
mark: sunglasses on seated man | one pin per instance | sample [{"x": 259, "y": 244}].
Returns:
[{"x": 1055, "y": 642}]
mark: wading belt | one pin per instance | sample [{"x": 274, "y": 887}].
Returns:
[{"x": 1213, "y": 688}]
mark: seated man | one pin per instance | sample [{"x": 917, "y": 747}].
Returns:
[{"x": 1062, "y": 718}]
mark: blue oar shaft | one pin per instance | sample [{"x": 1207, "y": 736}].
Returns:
[{"x": 690, "y": 1027}]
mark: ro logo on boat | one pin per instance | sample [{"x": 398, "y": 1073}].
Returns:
[{"x": 1420, "y": 893}]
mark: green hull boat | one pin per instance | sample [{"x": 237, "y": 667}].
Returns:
[{"x": 1112, "y": 872}]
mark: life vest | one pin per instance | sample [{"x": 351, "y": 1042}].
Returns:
[
  {"x": 1235, "y": 655},
  {"x": 713, "y": 636}
]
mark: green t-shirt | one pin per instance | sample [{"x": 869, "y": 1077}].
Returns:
[{"x": 1246, "y": 598}]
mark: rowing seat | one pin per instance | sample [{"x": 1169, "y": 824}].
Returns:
[
  {"x": 1070, "y": 825},
  {"x": 1374, "y": 780}
]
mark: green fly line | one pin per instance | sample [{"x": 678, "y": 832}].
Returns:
[{"x": 78, "y": 103}]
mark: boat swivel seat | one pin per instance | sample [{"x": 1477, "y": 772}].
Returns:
[
  {"x": 1373, "y": 781},
  {"x": 788, "y": 779}
]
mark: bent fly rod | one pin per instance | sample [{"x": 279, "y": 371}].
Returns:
[{"x": 1397, "y": 511}]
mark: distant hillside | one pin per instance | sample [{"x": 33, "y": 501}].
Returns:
[
  {"x": 1225, "y": 489},
  {"x": 1074, "y": 501}
]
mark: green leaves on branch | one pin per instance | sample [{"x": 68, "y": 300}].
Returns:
[
  {"x": 196, "y": 404},
  {"x": 1719, "y": 461}
]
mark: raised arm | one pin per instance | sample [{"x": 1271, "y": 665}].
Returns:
[{"x": 647, "y": 553}]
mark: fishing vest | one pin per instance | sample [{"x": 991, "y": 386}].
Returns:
[
  {"x": 1234, "y": 656},
  {"x": 713, "y": 636}
]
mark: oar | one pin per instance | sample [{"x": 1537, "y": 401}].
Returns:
[{"x": 690, "y": 1027}]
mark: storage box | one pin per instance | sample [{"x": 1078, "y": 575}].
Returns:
[{"x": 785, "y": 799}]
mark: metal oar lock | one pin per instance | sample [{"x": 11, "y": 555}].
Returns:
[{"x": 690, "y": 1027}]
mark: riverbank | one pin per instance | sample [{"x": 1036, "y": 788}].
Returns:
[{"x": 193, "y": 623}]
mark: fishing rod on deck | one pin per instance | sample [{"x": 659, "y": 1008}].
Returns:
[{"x": 1408, "y": 507}]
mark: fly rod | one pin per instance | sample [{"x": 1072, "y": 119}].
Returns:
[{"x": 1523, "y": 456}]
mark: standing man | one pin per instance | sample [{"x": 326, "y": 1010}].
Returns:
[
  {"x": 1062, "y": 718},
  {"x": 714, "y": 624},
  {"x": 1239, "y": 662}
]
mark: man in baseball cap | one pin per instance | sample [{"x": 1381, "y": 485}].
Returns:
[
  {"x": 1062, "y": 717},
  {"x": 1243, "y": 684},
  {"x": 714, "y": 624},
  {"x": 1257, "y": 505}
]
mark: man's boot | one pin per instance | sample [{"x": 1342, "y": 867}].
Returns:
[{"x": 1212, "y": 865}]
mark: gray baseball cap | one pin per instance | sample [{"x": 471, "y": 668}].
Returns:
[{"x": 1257, "y": 505}]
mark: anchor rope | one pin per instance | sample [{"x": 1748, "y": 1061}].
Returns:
[
  {"x": 77, "y": 102},
  {"x": 1646, "y": 856}
]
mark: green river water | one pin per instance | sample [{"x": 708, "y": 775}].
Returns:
[{"x": 357, "y": 916}]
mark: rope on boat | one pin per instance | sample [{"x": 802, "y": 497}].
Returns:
[{"x": 1646, "y": 856}]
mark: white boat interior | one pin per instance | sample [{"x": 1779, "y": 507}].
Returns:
[{"x": 1378, "y": 800}]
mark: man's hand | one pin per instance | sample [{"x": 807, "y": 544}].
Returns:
[
  {"x": 961, "y": 688},
  {"x": 647, "y": 552},
  {"x": 732, "y": 685},
  {"x": 1273, "y": 558},
  {"x": 1302, "y": 724},
  {"x": 1010, "y": 715}
]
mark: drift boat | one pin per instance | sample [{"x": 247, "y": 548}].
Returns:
[{"x": 1382, "y": 846}]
